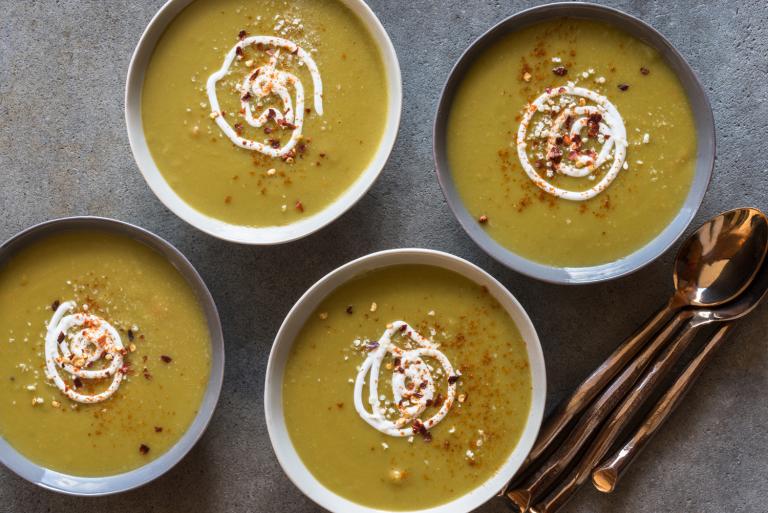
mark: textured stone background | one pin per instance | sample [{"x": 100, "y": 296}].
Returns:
[{"x": 64, "y": 151}]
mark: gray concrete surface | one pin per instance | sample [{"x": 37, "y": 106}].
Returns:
[{"x": 63, "y": 151}]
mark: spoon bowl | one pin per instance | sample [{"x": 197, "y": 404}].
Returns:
[{"x": 720, "y": 259}]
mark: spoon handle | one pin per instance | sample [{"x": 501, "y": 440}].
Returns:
[
  {"x": 618, "y": 420},
  {"x": 593, "y": 385},
  {"x": 606, "y": 475},
  {"x": 535, "y": 486}
]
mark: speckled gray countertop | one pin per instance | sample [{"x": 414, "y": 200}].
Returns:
[{"x": 64, "y": 151}]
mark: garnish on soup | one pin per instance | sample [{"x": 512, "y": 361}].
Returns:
[
  {"x": 262, "y": 84},
  {"x": 413, "y": 386},
  {"x": 76, "y": 344},
  {"x": 564, "y": 128}
]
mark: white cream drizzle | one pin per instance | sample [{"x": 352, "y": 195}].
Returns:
[
  {"x": 612, "y": 134},
  {"x": 75, "y": 342},
  {"x": 262, "y": 82},
  {"x": 412, "y": 370}
]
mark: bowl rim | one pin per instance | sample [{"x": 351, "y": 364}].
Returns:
[
  {"x": 258, "y": 235},
  {"x": 117, "y": 483},
  {"x": 285, "y": 452},
  {"x": 705, "y": 150}
]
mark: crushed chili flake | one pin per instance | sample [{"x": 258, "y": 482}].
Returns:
[
  {"x": 144, "y": 449},
  {"x": 644, "y": 70},
  {"x": 158, "y": 429},
  {"x": 242, "y": 34},
  {"x": 299, "y": 206},
  {"x": 130, "y": 335},
  {"x": 55, "y": 305},
  {"x": 349, "y": 309},
  {"x": 239, "y": 51},
  {"x": 560, "y": 71},
  {"x": 228, "y": 200},
  {"x": 623, "y": 87},
  {"x": 483, "y": 219},
  {"x": 246, "y": 96},
  {"x": 61, "y": 337},
  {"x": 453, "y": 379},
  {"x": 238, "y": 128},
  {"x": 77, "y": 382},
  {"x": 166, "y": 359}
]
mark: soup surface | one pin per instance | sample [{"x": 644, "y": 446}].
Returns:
[
  {"x": 571, "y": 142},
  {"x": 111, "y": 292},
  {"x": 440, "y": 347},
  {"x": 263, "y": 113}
]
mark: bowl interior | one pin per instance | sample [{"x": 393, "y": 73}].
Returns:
[
  {"x": 705, "y": 152},
  {"x": 248, "y": 234},
  {"x": 273, "y": 401},
  {"x": 93, "y": 486}
]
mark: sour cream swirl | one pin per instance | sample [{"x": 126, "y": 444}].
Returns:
[
  {"x": 75, "y": 342},
  {"x": 565, "y": 135},
  {"x": 261, "y": 83},
  {"x": 413, "y": 387}
]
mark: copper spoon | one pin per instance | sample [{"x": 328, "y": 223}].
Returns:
[
  {"x": 605, "y": 476},
  {"x": 621, "y": 416},
  {"x": 700, "y": 279}
]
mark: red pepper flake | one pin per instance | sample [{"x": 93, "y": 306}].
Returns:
[
  {"x": 644, "y": 70},
  {"x": 254, "y": 75},
  {"x": 274, "y": 143},
  {"x": 483, "y": 219},
  {"x": 322, "y": 155},
  {"x": 239, "y": 51},
  {"x": 158, "y": 429},
  {"x": 130, "y": 335},
  {"x": 61, "y": 337},
  {"x": 594, "y": 124},
  {"x": 166, "y": 359},
  {"x": 241, "y": 35},
  {"x": 238, "y": 128},
  {"x": 144, "y": 449},
  {"x": 267, "y": 130},
  {"x": 452, "y": 379},
  {"x": 55, "y": 305},
  {"x": 228, "y": 200},
  {"x": 349, "y": 309},
  {"x": 246, "y": 96},
  {"x": 560, "y": 71},
  {"x": 427, "y": 436},
  {"x": 77, "y": 382},
  {"x": 299, "y": 206},
  {"x": 555, "y": 155},
  {"x": 146, "y": 374},
  {"x": 623, "y": 87}
]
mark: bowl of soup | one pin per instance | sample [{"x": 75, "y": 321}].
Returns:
[
  {"x": 573, "y": 143},
  {"x": 262, "y": 122},
  {"x": 406, "y": 380},
  {"x": 112, "y": 356}
]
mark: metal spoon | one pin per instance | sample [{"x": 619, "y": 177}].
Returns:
[
  {"x": 712, "y": 267},
  {"x": 622, "y": 415},
  {"x": 605, "y": 476}
]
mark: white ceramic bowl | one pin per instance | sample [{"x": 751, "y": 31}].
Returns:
[
  {"x": 249, "y": 234},
  {"x": 273, "y": 395}
]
